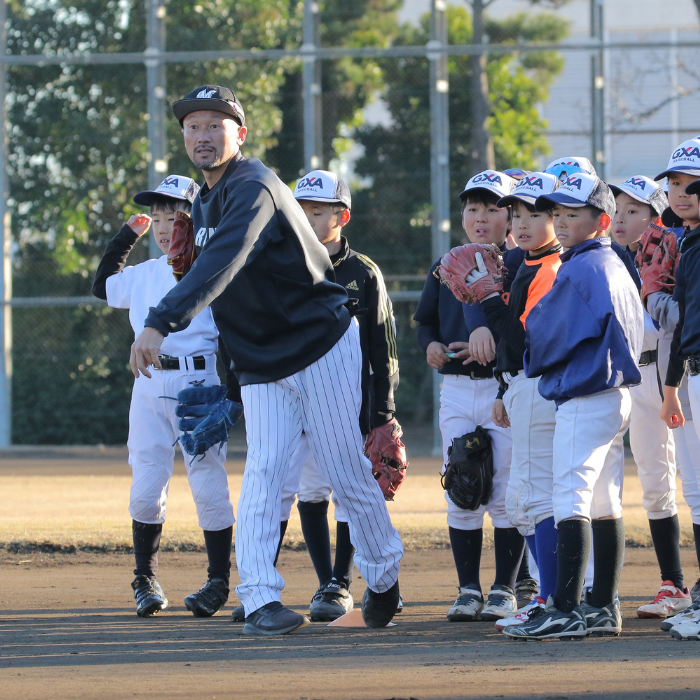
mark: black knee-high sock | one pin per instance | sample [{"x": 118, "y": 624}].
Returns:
[
  {"x": 344, "y": 552},
  {"x": 666, "y": 535},
  {"x": 314, "y": 526},
  {"x": 466, "y": 550},
  {"x": 146, "y": 538},
  {"x": 573, "y": 550},
  {"x": 218, "y": 543},
  {"x": 283, "y": 529},
  {"x": 696, "y": 537},
  {"x": 524, "y": 570},
  {"x": 608, "y": 554},
  {"x": 509, "y": 545}
]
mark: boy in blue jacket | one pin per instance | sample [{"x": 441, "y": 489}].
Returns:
[{"x": 583, "y": 339}]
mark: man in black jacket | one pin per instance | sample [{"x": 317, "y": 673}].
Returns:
[{"x": 294, "y": 348}]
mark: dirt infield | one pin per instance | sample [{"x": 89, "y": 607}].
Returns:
[{"x": 69, "y": 631}]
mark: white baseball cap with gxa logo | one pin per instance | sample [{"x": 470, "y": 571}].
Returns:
[
  {"x": 175, "y": 186},
  {"x": 530, "y": 187},
  {"x": 580, "y": 190},
  {"x": 685, "y": 159},
  {"x": 493, "y": 181},
  {"x": 643, "y": 189}
]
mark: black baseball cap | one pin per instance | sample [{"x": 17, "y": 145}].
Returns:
[{"x": 212, "y": 97}]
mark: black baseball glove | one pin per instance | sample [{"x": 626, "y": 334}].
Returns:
[
  {"x": 206, "y": 416},
  {"x": 468, "y": 475}
]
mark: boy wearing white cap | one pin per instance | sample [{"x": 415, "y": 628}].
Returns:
[
  {"x": 459, "y": 343},
  {"x": 583, "y": 339},
  {"x": 529, "y": 415},
  {"x": 639, "y": 202},
  {"x": 188, "y": 359}
]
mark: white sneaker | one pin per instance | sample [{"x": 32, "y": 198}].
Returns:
[
  {"x": 467, "y": 607},
  {"x": 688, "y": 629},
  {"x": 519, "y": 616},
  {"x": 499, "y": 603},
  {"x": 691, "y": 613},
  {"x": 669, "y": 601}
]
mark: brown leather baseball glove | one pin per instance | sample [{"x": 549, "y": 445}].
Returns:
[
  {"x": 182, "y": 252},
  {"x": 388, "y": 456},
  {"x": 472, "y": 272},
  {"x": 657, "y": 256}
]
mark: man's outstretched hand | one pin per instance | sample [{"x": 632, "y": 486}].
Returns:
[{"x": 145, "y": 351}]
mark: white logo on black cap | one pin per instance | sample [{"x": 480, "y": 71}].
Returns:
[{"x": 206, "y": 93}]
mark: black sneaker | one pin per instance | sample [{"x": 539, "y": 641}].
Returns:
[
  {"x": 333, "y": 602},
  {"x": 550, "y": 624},
  {"x": 378, "y": 609},
  {"x": 209, "y": 599},
  {"x": 602, "y": 622},
  {"x": 149, "y": 596},
  {"x": 274, "y": 618},
  {"x": 238, "y": 614},
  {"x": 525, "y": 591}
]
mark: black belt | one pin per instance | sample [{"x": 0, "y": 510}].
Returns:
[
  {"x": 693, "y": 366},
  {"x": 648, "y": 357},
  {"x": 484, "y": 373},
  {"x": 168, "y": 362}
]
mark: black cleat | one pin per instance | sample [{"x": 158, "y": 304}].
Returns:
[
  {"x": 378, "y": 609},
  {"x": 238, "y": 614},
  {"x": 209, "y": 599},
  {"x": 150, "y": 599},
  {"x": 274, "y": 618}
]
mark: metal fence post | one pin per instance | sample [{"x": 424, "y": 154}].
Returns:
[
  {"x": 439, "y": 164},
  {"x": 155, "y": 78},
  {"x": 598, "y": 91},
  {"x": 313, "y": 144},
  {"x": 5, "y": 267}
]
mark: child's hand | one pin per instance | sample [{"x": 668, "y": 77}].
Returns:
[
  {"x": 482, "y": 346},
  {"x": 139, "y": 223},
  {"x": 671, "y": 411},
  {"x": 436, "y": 356},
  {"x": 499, "y": 414},
  {"x": 459, "y": 350}
]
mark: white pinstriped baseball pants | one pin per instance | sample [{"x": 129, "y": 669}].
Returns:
[{"x": 323, "y": 400}]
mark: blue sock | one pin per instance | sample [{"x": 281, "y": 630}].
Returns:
[
  {"x": 546, "y": 541},
  {"x": 530, "y": 539}
]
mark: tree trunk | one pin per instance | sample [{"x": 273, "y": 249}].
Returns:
[{"x": 482, "y": 143}]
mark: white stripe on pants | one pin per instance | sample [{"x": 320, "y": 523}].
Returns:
[{"x": 323, "y": 400}]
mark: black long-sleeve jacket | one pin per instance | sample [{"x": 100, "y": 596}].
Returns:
[
  {"x": 269, "y": 281},
  {"x": 363, "y": 281}
]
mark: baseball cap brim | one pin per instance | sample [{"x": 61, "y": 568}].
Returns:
[
  {"x": 148, "y": 197},
  {"x": 693, "y": 187},
  {"x": 323, "y": 200},
  {"x": 682, "y": 171},
  {"x": 465, "y": 192},
  {"x": 513, "y": 198},
  {"x": 183, "y": 107},
  {"x": 558, "y": 198}
]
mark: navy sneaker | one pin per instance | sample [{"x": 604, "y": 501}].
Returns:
[
  {"x": 209, "y": 599},
  {"x": 274, "y": 618},
  {"x": 550, "y": 624},
  {"x": 378, "y": 609},
  {"x": 602, "y": 622},
  {"x": 149, "y": 596},
  {"x": 333, "y": 602}
]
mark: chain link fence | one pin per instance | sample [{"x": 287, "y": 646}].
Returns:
[{"x": 79, "y": 147}]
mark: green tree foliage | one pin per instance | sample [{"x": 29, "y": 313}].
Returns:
[
  {"x": 77, "y": 155},
  {"x": 395, "y": 211}
]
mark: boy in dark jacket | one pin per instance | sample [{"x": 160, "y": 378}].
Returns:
[{"x": 583, "y": 339}]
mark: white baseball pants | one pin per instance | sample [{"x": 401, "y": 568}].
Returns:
[
  {"x": 589, "y": 455},
  {"x": 464, "y": 404},
  {"x": 532, "y": 421},
  {"x": 324, "y": 401},
  {"x": 653, "y": 447},
  {"x": 153, "y": 431},
  {"x": 306, "y": 480}
]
